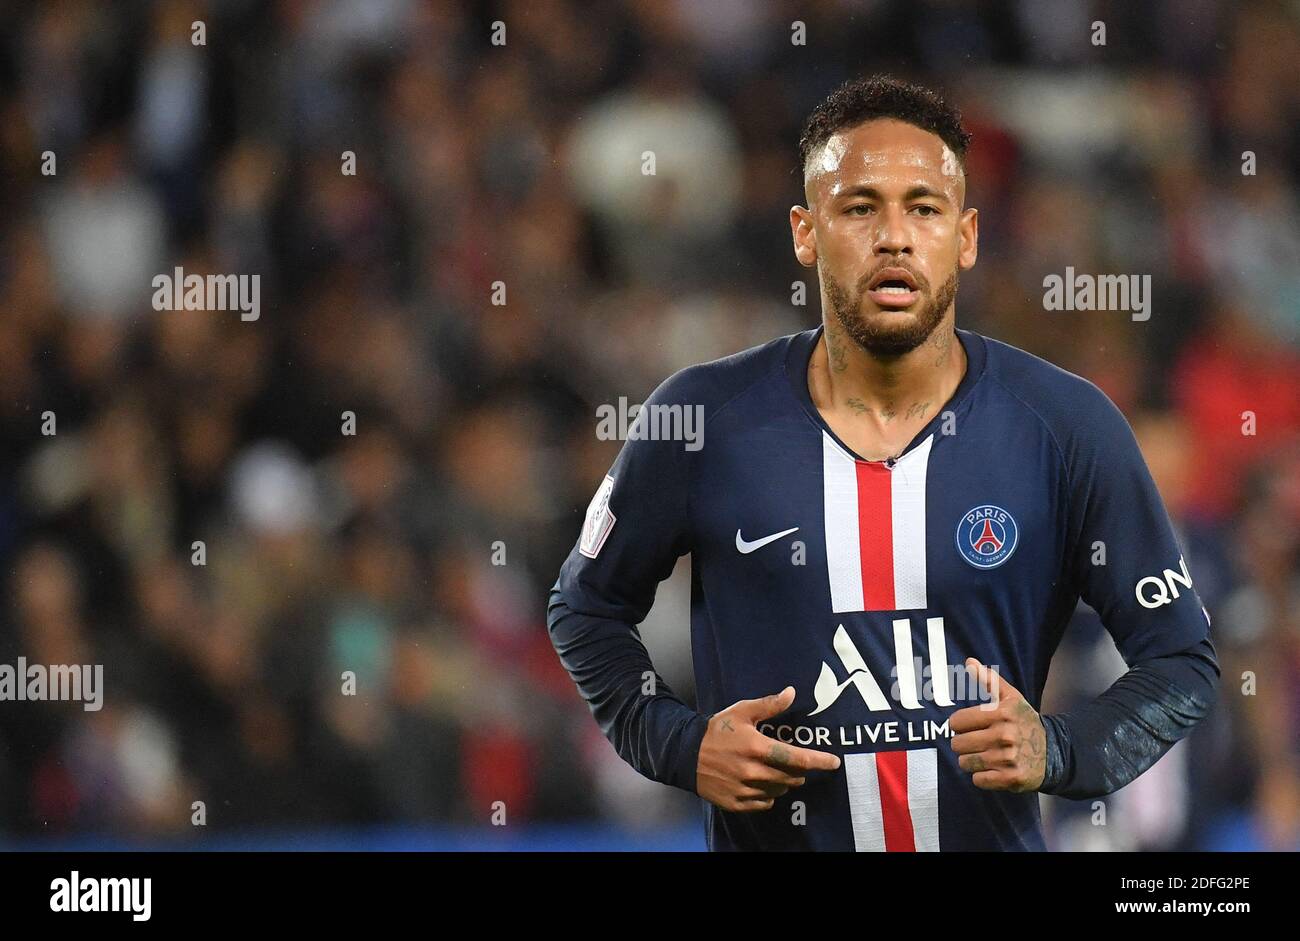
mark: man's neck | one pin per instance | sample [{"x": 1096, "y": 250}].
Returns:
[{"x": 887, "y": 398}]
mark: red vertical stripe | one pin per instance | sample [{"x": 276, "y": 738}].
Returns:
[
  {"x": 896, "y": 816},
  {"x": 876, "y": 536}
]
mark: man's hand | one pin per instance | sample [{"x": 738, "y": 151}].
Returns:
[
  {"x": 1002, "y": 743},
  {"x": 743, "y": 770}
]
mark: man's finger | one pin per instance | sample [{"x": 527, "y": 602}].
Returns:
[
  {"x": 767, "y": 706},
  {"x": 773, "y": 788},
  {"x": 998, "y": 688},
  {"x": 760, "y": 773},
  {"x": 971, "y": 719},
  {"x": 972, "y": 743},
  {"x": 987, "y": 760},
  {"x": 793, "y": 758},
  {"x": 994, "y": 780}
]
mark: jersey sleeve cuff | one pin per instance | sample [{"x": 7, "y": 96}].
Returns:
[{"x": 686, "y": 765}]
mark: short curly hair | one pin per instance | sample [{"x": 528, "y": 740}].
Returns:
[{"x": 882, "y": 96}]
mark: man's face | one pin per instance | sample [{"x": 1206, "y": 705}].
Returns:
[{"x": 886, "y": 229}]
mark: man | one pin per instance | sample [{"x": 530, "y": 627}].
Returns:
[{"x": 890, "y": 522}]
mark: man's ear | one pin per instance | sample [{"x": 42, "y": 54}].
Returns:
[
  {"x": 804, "y": 236},
  {"x": 968, "y": 234}
]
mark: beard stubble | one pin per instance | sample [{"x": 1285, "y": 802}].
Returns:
[{"x": 888, "y": 340}]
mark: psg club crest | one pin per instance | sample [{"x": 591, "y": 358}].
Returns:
[{"x": 986, "y": 536}]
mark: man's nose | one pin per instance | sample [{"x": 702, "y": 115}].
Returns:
[{"x": 893, "y": 237}]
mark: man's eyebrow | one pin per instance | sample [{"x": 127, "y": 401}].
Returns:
[{"x": 920, "y": 191}]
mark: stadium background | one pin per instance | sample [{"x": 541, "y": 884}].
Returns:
[{"x": 476, "y": 423}]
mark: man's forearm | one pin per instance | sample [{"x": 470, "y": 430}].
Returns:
[
  {"x": 1102, "y": 746},
  {"x": 657, "y": 734}
]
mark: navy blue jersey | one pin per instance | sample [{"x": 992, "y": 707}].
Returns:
[{"x": 865, "y": 585}]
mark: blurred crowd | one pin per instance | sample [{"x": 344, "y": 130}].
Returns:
[{"x": 380, "y": 476}]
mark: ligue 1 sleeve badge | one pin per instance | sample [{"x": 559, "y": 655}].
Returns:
[
  {"x": 599, "y": 521},
  {"x": 986, "y": 536}
]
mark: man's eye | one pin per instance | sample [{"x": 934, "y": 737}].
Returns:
[
  {"x": 926, "y": 210},
  {"x": 859, "y": 210}
]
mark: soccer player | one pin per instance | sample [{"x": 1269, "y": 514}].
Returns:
[{"x": 890, "y": 522}]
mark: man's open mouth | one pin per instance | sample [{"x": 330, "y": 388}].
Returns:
[{"x": 893, "y": 287}]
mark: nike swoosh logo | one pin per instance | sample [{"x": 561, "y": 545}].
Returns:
[{"x": 746, "y": 548}]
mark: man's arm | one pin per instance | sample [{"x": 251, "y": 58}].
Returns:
[
  {"x": 656, "y": 733},
  {"x": 1102, "y": 746},
  {"x": 1126, "y": 563},
  {"x": 636, "y": 528},
  {"x": 722, "y": 758},
  {"x": 1129, "y": 567}
]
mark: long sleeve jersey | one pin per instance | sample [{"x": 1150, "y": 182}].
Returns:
[{"x": 866, "y": 585}]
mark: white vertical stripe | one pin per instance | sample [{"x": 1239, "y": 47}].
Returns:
[
  {"x": 906, "y": 666},
  {"x": 864, "y": 802},
  {"x": 939, "y": 675},
  {"x": 907, "y": 492},
  {"x": 843, "y": 551},
  {"x": 923, "y": 798}
]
